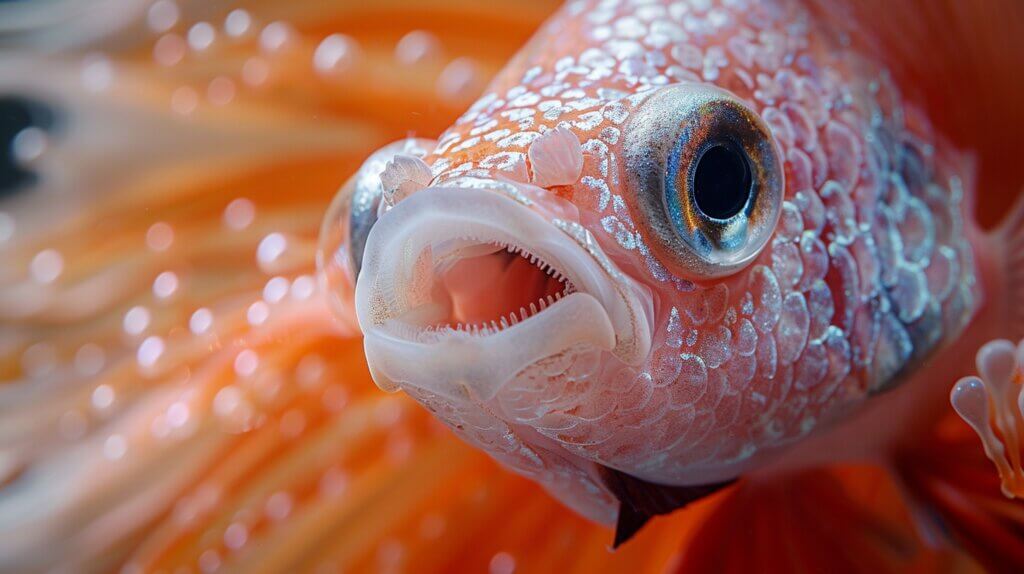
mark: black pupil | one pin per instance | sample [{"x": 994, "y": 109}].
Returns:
[{"x": 722, "y": 181}]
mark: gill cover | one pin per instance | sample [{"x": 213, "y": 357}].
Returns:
[{"x": 704, "y": 175}]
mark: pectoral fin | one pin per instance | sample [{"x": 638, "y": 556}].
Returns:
[{"x": 639, "y": 500}]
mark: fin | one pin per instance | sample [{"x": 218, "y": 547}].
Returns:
[
  {"x": 951, "y": 479},
  {"x": 958, "y": 490},
  {"x": 958, "y": 62},
  {"x": 999, "y": 255},
  {"x": 1009, "y": 236},
  {"x": 639, "y": 500},
  {"x": 840, "y": 520}
]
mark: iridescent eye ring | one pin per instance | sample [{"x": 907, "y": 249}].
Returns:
[{"x": 705, "y": 178}]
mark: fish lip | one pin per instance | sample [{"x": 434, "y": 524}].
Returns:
[{"x": 608, "y": 310}]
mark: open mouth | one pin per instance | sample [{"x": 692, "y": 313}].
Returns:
[
  {"x": 463, "y": 288},
  {"x": 487, "y": 287}
]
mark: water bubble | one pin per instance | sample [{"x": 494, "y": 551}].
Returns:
[
  {"x": 275, "y": 289},
  {"x": 221, "y": 91},
  {"x": 39, "y": 360},
  {"x": 239, "y": 214},
  {"x": 178, "y": 414},
  {"x": 201, "y": 36},
  {"x": 200, "y": 321},
  {"x": 502, "y": 563},
  {"x": 335, "y": 398},
  {"x": 150, "y": 351},
  {"x": 246, "y": 363},
  {"x": 29, "y": 145},
  {"x": 390, "y": 555},
  {"x": 236, "y": 535},
  {"x": 136, "y": 320},
  {"x": 162, "y": 15},
  {"x": 97, "y": 72},
  {"x": 46, "y": 266},
  {"x": 258, "y": 313},
  {"x": 309, "y": 371},
  {"x": 237, "y": 23},
  {"x": 184, "y": 100},
  {"x": 458, "y": 80},
  {"x": 255, "y": 71},
  {"x": 279, "y": 506},
  {"x": 159, "y": 427},
  {"x": 303, "y": 287},
  {"x": 233, "y": 408},
  {"x": 165, "y": 285},
  {"x": 335, "y": 54},
  {"x": 103, "y": 397},
  {"x": 169, "y": 50},
  {"x": 209, "y": 561},
  {"x": 275, "y": 36},
  {"x": 333, "y": 483},
  {"x": 270, "y": 248},
  {"x": 7, "y": 226},
  {"x": 417, "y": 46},
  {"x": 115, "y": 447},
  {"x": 159, "y": 236},
  {"x": 90, "y": 359}
]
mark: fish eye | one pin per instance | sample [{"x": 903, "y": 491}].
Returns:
[{"x": 704, "y": 176}]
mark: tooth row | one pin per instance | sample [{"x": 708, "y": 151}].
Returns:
[
  {"x": 536, "y": 261},
  {"x": 513, "y": 317},
  {"x": 533, "y": 259},
  {"x": 496, "y": 325}
]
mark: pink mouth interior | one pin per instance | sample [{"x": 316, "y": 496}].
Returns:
[{"x": 485, "y": 289}]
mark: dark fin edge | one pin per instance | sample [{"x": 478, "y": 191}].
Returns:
[{"x": 639, "y": 500}]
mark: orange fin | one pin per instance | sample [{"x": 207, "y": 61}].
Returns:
[
  {"x": 837, "y": 520},
  {"x": 957, "y": 487}
]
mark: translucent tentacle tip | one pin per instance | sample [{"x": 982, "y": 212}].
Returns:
[{"x": 993, "y": 404}]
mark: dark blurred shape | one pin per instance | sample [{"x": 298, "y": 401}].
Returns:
[{"x": 16, "y": 114}]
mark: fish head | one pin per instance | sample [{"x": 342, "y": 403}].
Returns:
[{"x": 558, "y": 290}]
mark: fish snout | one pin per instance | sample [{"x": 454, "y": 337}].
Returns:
[{"x": 461, "y": 288}]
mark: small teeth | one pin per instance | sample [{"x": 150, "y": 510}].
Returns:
[{"x": 513, "y": 318}]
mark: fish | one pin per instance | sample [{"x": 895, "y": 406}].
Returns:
[
  {"x": 692, "y": 280},
  {"x": 675, "y": 244}
]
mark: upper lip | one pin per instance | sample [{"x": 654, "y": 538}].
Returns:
[{"x": 601, "y": 306}]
